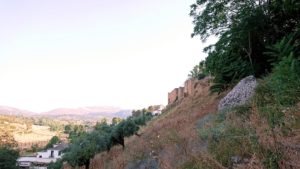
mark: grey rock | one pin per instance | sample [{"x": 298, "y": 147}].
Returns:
[
  {"x": 143, "y": 164},
  {"x": 235, "y": 161},
  {"x": 240, "y": 94}
]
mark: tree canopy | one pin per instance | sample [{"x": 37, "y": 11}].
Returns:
[
  {"x": 246, "y": 28},
  {"x": 8, "y": 157},
  {"x": 52, "y": 141},
  {"x": 102, "y": 138}
]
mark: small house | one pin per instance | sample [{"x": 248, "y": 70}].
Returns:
[{"x": 43, "y": 158}]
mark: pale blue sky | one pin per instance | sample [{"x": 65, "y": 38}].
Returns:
[{"x": 72, "y": 53}]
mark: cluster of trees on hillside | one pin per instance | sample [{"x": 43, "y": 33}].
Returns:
[
  {"x": 8, "y": 157},
  {"x": 74, "y": 130},
  {"x": 199, "y": 71},
  {"x": 102, "y": 138},
  {"x": 8, "y": 151},
  {"x": 9, "y": 122},
  {"x": 55, "y": 125},
  {"x": 261, "y": 38},
  {"x": 254, "y": 36}
]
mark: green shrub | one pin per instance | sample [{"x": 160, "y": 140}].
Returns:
[
  {"x": 242, "y": 111},
  {"x": 53, "y": 140},
  {"x": 285, "y": 81},
  {"x": 57, "y": 165},
  {"x": 227, "y": 138},
  {"x": 233, "y": 141},
  {"x": 8, "y": 158},
  {"x": 279, "y": 90},
  {"x": 271, "y": 160}
]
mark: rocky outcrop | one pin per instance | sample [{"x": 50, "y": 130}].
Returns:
[{"x": 240, "y": 94}]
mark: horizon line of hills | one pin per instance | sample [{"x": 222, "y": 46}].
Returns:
[{"x": 90, "y": 113}]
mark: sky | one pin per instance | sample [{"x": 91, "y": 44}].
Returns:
[{"x": 74, "y": 53}]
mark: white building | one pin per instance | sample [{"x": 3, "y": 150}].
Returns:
[
  {"x": 158, "y": 110},
  {"x": 43, "y": 158},
  {"x": 55, "y": 152}
]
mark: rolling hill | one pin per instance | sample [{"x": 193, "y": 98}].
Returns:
[
  {"x": 87, "y": 113},
  {"x": 82, "y": 113},
  {"x": 6, "y": 110}
]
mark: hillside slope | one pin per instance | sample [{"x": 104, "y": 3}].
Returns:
[
  {"x": 192, "y": 134},
  {"x": 173, "y": 134}
]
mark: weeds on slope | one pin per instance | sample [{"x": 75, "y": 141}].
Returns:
[{"x": 233, "y": 134}]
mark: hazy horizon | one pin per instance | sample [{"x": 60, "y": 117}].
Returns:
[{"x": 94, "y": 53}]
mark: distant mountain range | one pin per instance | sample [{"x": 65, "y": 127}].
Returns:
[
  {"x": 5, "y": 110},
  {"x": 81, "y": 113}
]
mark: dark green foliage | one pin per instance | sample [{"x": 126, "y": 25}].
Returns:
[
  {"x": 55, "y": 125},
  {"x": 285, "y": 80},
  {"x": 8, "y": 158},
  {"x": 116, "y": 120},
  {"x": 272, "y": 159},
  {"x": 136, "y": 113},
  {"x": 232, "y": 141},
  {"x": 81, "y": 151},
  {"x": 74, "y": 131},
  {"x": 288, "y": 45},
  {"x": 280, "y": 90},
  {"x": 57, "y": 165},
  {"x": 103, "y": 127},
  {"x": 227, "y": 138},
  {"x": 245, "y": 29},
  {"x": 243, "y": 111},
  {"x": 53, "y": 140},
  {"x": 86, "y": 145},
  {"x": 117, "y": 135},
  {"x": 199, "y": 71},
  {"x": 129, "y": 128},
  {"x": 142, "y": 119},
  {"x": 261, "y": 38}
]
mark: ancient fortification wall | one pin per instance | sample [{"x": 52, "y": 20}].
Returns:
[
  {"x": 191, "y": 86},
  {"x": 173, "y": 96}
]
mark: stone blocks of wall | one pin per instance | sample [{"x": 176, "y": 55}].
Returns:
[
  {"x": 188, "y": 86},
  {"x": 180, "y": 93},
  {"x": 173, "y": 96},
  {"x": 191, "y": 86}
]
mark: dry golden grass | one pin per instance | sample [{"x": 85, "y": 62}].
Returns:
[
  {"x": 171, "y": 138},
  {"x": 39, "y": 133},
  {"x": 288, "y": 144}
]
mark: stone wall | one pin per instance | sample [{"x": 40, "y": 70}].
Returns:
[
  {"x": 173, "y": 96},
  {"x": 191, "y": 86},
  {"x": 180, "y": 93},
  {"x": 188, "y": 86}
]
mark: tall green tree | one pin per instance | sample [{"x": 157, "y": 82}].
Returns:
[
  {"x": 52, "y": 141},
  {"x": 116, "y": 120},
  {"x": 8, "y": 158},
  {"x": 199, "y": 71},
  {"x": 245, "y": 28}
]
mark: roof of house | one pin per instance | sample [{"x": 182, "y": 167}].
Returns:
[
  {"x": 36, "y": 160},
  {"x": 59, "y": 147}
]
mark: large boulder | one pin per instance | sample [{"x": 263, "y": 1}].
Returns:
[{"x": 240, "y": 94}]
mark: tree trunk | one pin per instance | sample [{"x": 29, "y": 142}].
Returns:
[{"x": 87, "y": 164}]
